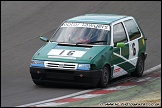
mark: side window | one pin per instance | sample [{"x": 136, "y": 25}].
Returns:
[
  {"x": 132, "y": 29},
  {"x": 119, "y": 34}
]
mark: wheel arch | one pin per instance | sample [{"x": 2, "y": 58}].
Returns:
[
  {"x": 109, "y": 66},
  {"x": 142, "y": 54}
]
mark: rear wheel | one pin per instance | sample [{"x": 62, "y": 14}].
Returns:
[
  {"x": 104, "y": 79},
  {"x": 139, "y": 67}
]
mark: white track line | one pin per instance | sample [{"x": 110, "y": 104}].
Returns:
[
  {"x": 152, "y": 69},
  {"x": 81, "y": 92},
  {"x": 88, "y": 96},
  {"x": 49, "y": 104},
  {"x": 119, "y": 87},
  {"x": 144, "y": 79}
]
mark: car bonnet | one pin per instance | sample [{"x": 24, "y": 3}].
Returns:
[{"x": 68, "y": 53}]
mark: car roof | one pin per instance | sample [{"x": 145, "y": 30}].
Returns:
[{"x": 97, "y": 18}]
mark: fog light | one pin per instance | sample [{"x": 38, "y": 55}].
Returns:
[
  {"x": 81, "y": 75},
  {"x": 38, "y": 72}
]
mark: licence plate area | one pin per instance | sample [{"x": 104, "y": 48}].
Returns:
[{"x": 59, "y": 74}]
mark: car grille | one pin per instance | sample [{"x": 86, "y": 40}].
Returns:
[{"x": 60, "y": 65}]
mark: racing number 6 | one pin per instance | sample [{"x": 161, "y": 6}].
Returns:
[{"x": 134, "y": 49}]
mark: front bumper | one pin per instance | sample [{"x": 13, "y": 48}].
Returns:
[{"x": 60, "y": 76}]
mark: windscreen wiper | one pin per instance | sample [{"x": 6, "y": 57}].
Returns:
[{"x": 96, "y": 42}]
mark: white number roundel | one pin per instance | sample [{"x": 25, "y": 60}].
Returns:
[
  {"x": 66, "y": 53},
  {"x": 133, "y": 51}
]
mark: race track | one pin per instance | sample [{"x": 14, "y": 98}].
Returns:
[{"x": 22, "y": 22}]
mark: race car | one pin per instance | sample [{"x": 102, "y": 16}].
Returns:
[{"x": 90, "y": 50}]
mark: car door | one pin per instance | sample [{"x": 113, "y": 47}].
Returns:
[
  {"x": 120, "y": 54},
  {"x": 135, "y": 39}
]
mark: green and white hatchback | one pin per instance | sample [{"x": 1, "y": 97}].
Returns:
[{"x": 90, "y": 50}]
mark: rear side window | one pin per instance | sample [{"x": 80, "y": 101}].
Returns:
[
  {"x": 132, "y": 29},
  {"x": 119, "y": 34}
]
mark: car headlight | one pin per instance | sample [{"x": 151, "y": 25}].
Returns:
[
  {"x": 37, "y": 63},
  {"x": 83, "y": 67}
]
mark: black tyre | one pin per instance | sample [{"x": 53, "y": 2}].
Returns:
[
  {"x": 104, "y": 79},
  {"x": 139, "y": 67},
  {"x": 38, "y": 83}
]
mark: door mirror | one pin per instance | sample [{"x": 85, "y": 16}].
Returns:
[
  {"x": 43, "y": 39},
  {"x": 120, "y": 44}
]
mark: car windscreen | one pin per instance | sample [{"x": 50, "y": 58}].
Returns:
[{"x": 81, "y": 33}]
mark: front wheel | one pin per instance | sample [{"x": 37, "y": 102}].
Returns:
[
  {"x": 104, "y": 79},
  {"x": 38, "y": 83},
  {"x": 139, "y": 67}
]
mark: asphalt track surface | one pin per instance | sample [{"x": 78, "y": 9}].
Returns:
[{"x": 23, "y": 21}]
